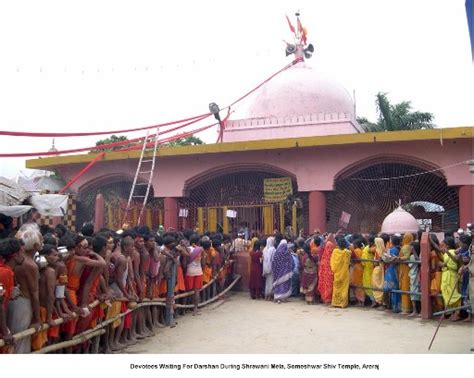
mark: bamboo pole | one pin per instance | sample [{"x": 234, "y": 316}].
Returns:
[{"x": 70, "y": 343}]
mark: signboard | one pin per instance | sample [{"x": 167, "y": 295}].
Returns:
[
  {"x": 277, "y": 189},
  {"x": 183, "y": 213},
  {"x": 344, "y": 219},
  {"x": 231, "y": 214}
]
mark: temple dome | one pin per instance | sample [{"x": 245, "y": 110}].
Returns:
[
  {"x": 301, "y": 90},
  {"x": 400, "y": 221}
]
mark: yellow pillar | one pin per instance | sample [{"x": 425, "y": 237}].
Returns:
[
  {"x": 225, "y": 221},
  {"x": 212, "y": 219},
  {"x": 282, "y": 218},
  {"x": 148, "y": 220},
  {"x": 200, "y": 220},
  {"x": 268, "y": 220},
  {"x": 160, "y": 217},
  {"x": 120, "y": 218},
  {"x": 110, "y": 223},
  {"x": 294, "y": 221}
]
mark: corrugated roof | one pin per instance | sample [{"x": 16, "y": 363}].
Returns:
[{"x": 11, "y": 193}]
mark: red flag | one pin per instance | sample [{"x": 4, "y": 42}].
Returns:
[{"x": 292, "y": 28}]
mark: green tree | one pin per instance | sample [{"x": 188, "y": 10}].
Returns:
[
  {"x": 188, "y": 141},
  {"x": 396, "y": 117},
  {"x": 111, "y": 139}
]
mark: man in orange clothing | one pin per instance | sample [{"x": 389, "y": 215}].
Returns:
[
  {"x": 9, "y": 250},
  {"x": 47, "y": 284}
]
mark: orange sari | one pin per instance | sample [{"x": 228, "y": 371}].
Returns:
[{"x": 357, "y": 276}]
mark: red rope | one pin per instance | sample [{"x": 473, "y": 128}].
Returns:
[
  {"x": 42, "y": 135},
  {"x": 266, "y": 81},
  {"x": 84, "y": 149},
  {"x": 83, "y": 170}
]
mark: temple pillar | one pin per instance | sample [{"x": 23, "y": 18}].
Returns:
[
  {"x": 242, "y": 267},
  {"x": 317, "y": 211},
  {"x": 466, "y": 205},
  {"x": 99, "y": 212},
  {"x": 171, "y": 213},
  {"x": 425, "y": 277}
]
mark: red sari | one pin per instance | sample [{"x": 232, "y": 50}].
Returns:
[
  {"x": 325, "y": 275},
  {"x": 256, "y": 270}
]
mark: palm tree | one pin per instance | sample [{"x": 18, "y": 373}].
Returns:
[{"x": 396, "y": 117}]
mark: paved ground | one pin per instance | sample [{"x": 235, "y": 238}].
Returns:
[{"x": 241, "y": 325}]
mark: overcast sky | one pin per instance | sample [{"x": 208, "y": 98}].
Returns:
[{"x": 99, "y": 65}]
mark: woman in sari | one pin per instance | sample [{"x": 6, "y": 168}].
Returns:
[
  {"x": 325, "y": 276},
  {"x": 282, "y": 268},
  {"x": 309, "y": 275},
  {"x": 435, "y": 275},
  {"x": 391, "y": 283},
  {"x": 368, "y": 253},
  {"x": 358, "y": 272},
  {"x": 255, "y": 284},
  {"x": 449, "y": 274},
  {"x": 414, "y": 275},
  {"x": 378, "y": 272},
  {"x": 404, "y": 271},
  {"x": 340, "y": 261},
  {"x": 268, "y": 253}
]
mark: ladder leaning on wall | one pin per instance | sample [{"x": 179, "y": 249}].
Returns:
[{"x": 146, "y": 166}]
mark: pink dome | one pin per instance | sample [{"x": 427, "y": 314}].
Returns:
[
  {"x": 400, "y": 221},
  {"x": 300, "y": 90}
]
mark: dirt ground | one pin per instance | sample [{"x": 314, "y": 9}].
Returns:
[{"x": 241, "y": 325}]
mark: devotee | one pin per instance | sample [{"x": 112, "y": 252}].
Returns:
[
  {"x": 256, "y": 260},
  {"x": 391, "y": 257},
  {"x": 24, "y": 311},
  {"x": 340, "y": 260},
  {"x": 295, "y": 279},
  {"x": 325, "y": 274},
  {"x": 357, "y": 272},
  {"x": 9, "y": 255},
  {"x": 282, "y": 268},
  {"x": 268, "y": 253},
  {"x": 464, "y": 253},
  {"x": 48, "y": 257},
  {"x": 309, "y": 279},
  {"x": 449, "y": 276},
  {"x": 414, "y": 275},
  {"x": 378, "y": 272},
  {"x": 435, "y": 275},
  {"x": 403, "y": 272},
  {"x": 368, "y": 253},
  {"x": 194, "y": 272}
]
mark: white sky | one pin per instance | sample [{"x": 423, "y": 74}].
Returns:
[{"x": 100, "y": 65}]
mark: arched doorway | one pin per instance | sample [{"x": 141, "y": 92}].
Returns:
[
  {"x": 369, "y": 191},
  {"x": 116, "y": 190},
  {"x": 233, "y": 198}
]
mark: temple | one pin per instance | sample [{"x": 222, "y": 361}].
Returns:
[{"x": 298, "y": 161}]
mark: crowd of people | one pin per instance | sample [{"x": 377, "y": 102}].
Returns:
[
  {"x": 90, "y": 277},
  {"x": 377, "y": 270},
  {"x": 86, "y": 278}
]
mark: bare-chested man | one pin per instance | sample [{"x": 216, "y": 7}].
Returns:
[
  {"x": 47, "y": 285},
  {"x": 24, "y": 311}
]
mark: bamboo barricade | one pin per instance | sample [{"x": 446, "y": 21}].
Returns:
[{"x": 79, "y": 339}]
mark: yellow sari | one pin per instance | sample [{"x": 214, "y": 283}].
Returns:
[
  {"x": 403, "y": 272},
  {"x": 368, "y": 254},
  {"x": 449, "y": 280},
  {"x": 340, "y": 260}
]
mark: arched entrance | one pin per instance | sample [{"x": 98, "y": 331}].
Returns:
[
  {"x": 116, "y": 190},
  {"x": 370, "y": 190},
  {"x": 232, "y": 198}
]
